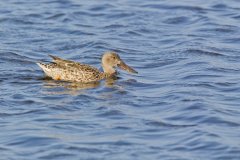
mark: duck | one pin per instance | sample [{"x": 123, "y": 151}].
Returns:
[{"x": 71, "y": 71}]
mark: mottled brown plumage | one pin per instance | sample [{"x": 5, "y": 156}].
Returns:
[{"x": 67, "y": 70}]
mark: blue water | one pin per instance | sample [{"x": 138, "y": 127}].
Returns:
[{"x": 183, "y": 105}]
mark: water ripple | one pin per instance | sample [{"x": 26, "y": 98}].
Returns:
[{"x": 183, "y": 104}]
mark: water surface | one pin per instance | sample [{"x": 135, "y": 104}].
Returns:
[{"x": 183, "y": 104}]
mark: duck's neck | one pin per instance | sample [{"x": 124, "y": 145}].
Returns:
[{"x": 108, "y": 69}]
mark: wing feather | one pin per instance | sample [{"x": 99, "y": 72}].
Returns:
[{"x": 78, "y": 69}]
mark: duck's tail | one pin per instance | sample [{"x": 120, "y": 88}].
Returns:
[{"x": 44, "y": 67}]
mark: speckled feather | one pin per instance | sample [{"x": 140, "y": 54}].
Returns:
[{"x": 67, "y": 70}]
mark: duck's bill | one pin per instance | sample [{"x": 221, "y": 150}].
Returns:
[{"x": 125, "y": 67}]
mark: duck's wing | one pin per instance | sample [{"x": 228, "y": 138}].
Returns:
[
  {"x": 74, "y": 65},
  {"x": 81, "y": 72},
  {"x": 60, "y": 61}
]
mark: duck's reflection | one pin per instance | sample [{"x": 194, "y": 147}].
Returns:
[{"x": 74, "y": 87}]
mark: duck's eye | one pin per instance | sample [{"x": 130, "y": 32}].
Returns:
[{"x": 114, "y": 58}]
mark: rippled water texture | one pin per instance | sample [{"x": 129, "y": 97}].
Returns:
[{"x": 184, "y": 104}]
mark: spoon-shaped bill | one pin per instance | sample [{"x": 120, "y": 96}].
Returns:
[{"x": 125, "y": 67}]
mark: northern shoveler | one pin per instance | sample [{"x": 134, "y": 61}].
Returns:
[{"x": 67, "y": 70}]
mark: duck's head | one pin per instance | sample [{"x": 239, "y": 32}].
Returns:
[{"x": 111, "y": 60}]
